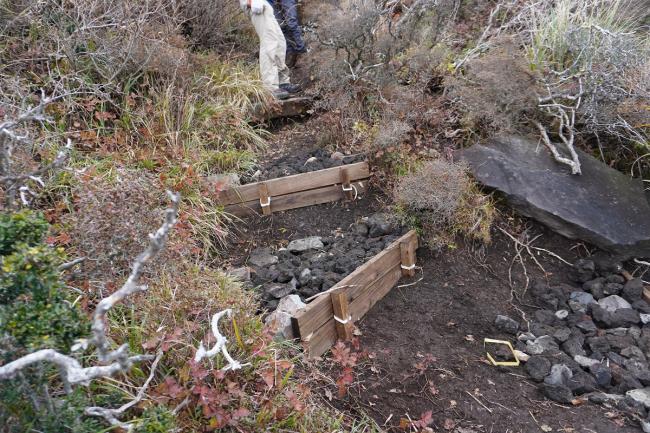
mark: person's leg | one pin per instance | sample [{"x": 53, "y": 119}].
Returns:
[
  {"x": 268, "y": 67},
  {"x": 278, "y": 47},
  {"x": 295, "y": 40}
]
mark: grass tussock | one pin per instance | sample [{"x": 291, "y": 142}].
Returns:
[{"x": 442, "y": 201}]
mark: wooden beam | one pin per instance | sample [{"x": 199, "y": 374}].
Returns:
[
  {"x": 265, "y": 198},
  {"x": 325, "y": 337},
  {"x": 347, "y": 188},
  {"x": 407, "y": 254},
  {"x": 341, "y": 309},
  {"x": 295, "y": 183},
  {"x": 319, "y": 311},
  {"x": 294, "y": 200}
]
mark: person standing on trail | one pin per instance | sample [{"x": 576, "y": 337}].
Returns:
[
  {"x": 286, "y": 12},
  {"x": 273, "y": 69}
]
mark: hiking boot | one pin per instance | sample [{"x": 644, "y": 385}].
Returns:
[
  {"x": 292, "y": 58},
  {"x": 280, "y": 94},
  {"x": 290, "y": 88}
]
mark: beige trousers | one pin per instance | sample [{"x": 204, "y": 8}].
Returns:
[{"x": 273, "y": 48}]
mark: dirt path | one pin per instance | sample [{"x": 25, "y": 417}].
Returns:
[{"x": 446, "y": 316}]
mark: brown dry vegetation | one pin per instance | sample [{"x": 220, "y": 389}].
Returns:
[{"x": 156, "y": 95}]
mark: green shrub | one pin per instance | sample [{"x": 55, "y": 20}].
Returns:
[
  {"x": 30, "y": 271},
  {"x": 156, "y": 419},
  {"x": 46, "y": 324},
  {"x": 21, "y": 227}
]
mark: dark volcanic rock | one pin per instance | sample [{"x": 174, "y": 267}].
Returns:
[
  {"x": 538, "y": 367},
  {"x": 559, "y": 393},
  {"x": 583, "y": 271},
  {"x": 506, "y": 324},
  {"x": 633, "y": 290},
  {"x": 602, "y": 206}
]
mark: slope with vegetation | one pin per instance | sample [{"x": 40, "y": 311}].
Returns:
[{"x": 160, "y": 95}]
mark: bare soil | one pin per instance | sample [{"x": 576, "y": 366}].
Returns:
[{"x": 447, "y": 315}]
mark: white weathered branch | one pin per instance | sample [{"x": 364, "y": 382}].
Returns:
[
  {"x": 112, "y": 415},
  {"x": 119, "y": 360},
  {"x": 219, "y": 345},
  {"x": 131, "y": 286}
]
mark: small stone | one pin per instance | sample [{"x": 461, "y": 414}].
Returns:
[
  {"x": 526, "y": 336},
  {"x": 605, "y": 263},
  {"x": 558, "y": 393},
  {"x": 538, "y": 367},
  {"x": 641, "y": 306},
  {"x": 521, "y": 356},
  {"x": 613, "y": 303},
  {"x": 305, "y": 277},
  {"x": 633, "y": 290},
  {"x": 612, "y": 289},
  {"x": 585, "y": 362},
  {"x": 306, "y": 244},
  {"x": 562, "y": 334},
  {"x": 602, "y": 374},
  {"x": 337, "y": 156},
  {"x": 573, "y": 347},
  {"x": 615, "y": 278},
  {"x": 262, "y": 257},
  {"x": 602, "y": 397},
  {"x": 598, "y": 344},
  {"x": 278, "y": 290},
  {"x": 279, "y": 321},
  {"x": 645, "y": 318},
  {"x": 627, "y": 382},
  {"x": 640, "y": 395},
  {"x": 379, "y": 224},
  {"x": 242, "y": 274},
  {"x": 615, "y": 358},
  {"x": 587, "y": 326},
  {"x": 559, "y": 375},
  {"x": 540, "y": 345},
  {"x": 581, "y": 383},
  {"x": 595, "y": 285},
  {"x": 633, "y": 352},
  {"x": 561, "y": 314},
  {"x": 545, "y": 317},
  {"x": 633, "y": 407},
  {"x": 583, "y": 298},
  {"x": 625, "y": 317},
  {"x": 360, "y": 229},
  {"x": 506, "y": 324},
  {"x": 583, "y": 270}
]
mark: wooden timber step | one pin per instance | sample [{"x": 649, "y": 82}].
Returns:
[
  {"x": 316, "y": 324},
  {"x": 299, "y": 190},
  {"x": 292, "y": 107}
]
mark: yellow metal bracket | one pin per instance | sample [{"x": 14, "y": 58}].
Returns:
[{"x": 514, "y": 363}]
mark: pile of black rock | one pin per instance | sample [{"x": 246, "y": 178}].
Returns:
[
  {"x": 590, "y": 339},
  {"x": 311, "y": 265},
  {"x": 302, "y": 162}
]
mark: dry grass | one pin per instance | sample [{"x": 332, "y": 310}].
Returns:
[{"x": 442, "y": 200}]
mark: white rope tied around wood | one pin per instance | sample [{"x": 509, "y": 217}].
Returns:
[
  {"x": 220, "y": 345},
  {"x": 268, "y": 202},
  {"x": 344, "y": 322},
  {"x": 407, "y": 268},
  {"x": 351, "y": 188}
]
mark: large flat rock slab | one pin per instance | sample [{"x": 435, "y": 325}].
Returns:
[{"x": 601, "y": 206}]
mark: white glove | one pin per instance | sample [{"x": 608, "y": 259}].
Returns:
[
  {"x": 257, "y": 7},
  {"x": 243, "y": 4}
]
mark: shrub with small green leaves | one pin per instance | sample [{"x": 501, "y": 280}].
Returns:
[
  {"x": 30, "y": 271},
  {"x": 26, "y": 226},
  {"x": 157, "y": 419}
]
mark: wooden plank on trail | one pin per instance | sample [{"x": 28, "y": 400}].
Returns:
[
  {"x": 295, "y": 183},
  {"x": 319, "y": 312},
  {"x": 294, "y": 200},
  {"x": 326, "y": 336}
]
